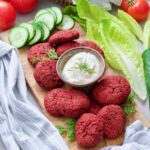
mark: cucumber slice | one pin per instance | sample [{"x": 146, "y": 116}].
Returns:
[
  {"x": 40, "y": 12},
  {"x": 30, "y": 29},
  {"x": 38, "y": 35},
  {"x": 47, "y": 18},
  {"x": 18, "y": 36},
  {"x": 53, "y": 13},
  {"x": 67, "y": 23},
  {"x": 46, "y": 31},
  {"x": 58, "y": 13}
]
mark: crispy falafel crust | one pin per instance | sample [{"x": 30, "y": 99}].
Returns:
[
  {"x": 38, "y": 51},
  {"x": 66, "y": 102},
  {"x": 66, "y": 46},
  {"x": 63, "y": 37},
  {"x": 46, "y": 75},
  {"x": 114, "y": 120},
  {"x": 88, "y": 130},
  {"x": 111, "y": 90}
]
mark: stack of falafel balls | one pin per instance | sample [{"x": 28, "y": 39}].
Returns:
[{"x": 98, "y": 114}]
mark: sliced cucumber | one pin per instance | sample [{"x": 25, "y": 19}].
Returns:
[
  {"x": 58, "y": 13},
  {"x": 47, "y": 18},
  {"x": 40, "y": 12},
  {"x": 38, "y": 35},
  {"x": 18, "y": 36},
  {"x": 46, "y": 31},
  {"x": 53, "y": 13},
  {"x": 30, "y": 29},
  {"x": 67, "y": 23}
]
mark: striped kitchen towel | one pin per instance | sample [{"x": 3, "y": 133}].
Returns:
[{"x": 22, "y": 125}]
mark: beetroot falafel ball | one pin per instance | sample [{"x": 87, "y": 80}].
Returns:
[
  {"x": 66, "y": 46},
  {"x": 38, "y": 52},
  {"x": 111, "y": 90},
  {"x": 66, "y": 102},
  {"x": 114, "y": 120},
  {"x": 63, "y": 37},
  {"x": 46, "y": 76},
  {"x": 93, "y": 45},
  {"x": 88, "y": 130}
]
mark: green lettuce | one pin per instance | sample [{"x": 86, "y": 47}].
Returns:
[
  {"x": 146, "y": 34},
  {"x": 131, "y": 23},
  {"x": 119, "y": 44}
]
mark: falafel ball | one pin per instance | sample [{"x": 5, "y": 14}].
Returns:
[
  {"x": 114, "y": 120},
  {"x": 93, "y": 45},
  {"x": 38, "y": 52},
  {"x": 88, "y": 130},
  {"x": 63, "y": 37},
  {"x": 46, "y": 75},
  {"x": 111, "y": 90},
  {"x": 66, "y": 102},
  {"x": 66, "y": 46}
]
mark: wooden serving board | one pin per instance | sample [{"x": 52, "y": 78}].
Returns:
[{"x": 39, "y": 94}]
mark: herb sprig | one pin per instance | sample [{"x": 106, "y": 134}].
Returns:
[
  {"x": 82, "y": 66},
  {"x": 52, "y": 54},
  {"x": 129, "y": 105},
  {"x": 69, "y": 128}
]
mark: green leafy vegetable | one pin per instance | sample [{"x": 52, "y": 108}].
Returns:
[
  {"x": 129, "y": 105},
  {"x": 131, "y": 23},
  {"x": 61, "y": 129},
  {"x": 146, "y": 34},
  {"x": 71, "y": 132},
  {"x": 82, "y": 66},
  {"x": 118, "y": 42},
  {"x": 72, "y": 12},
  {"x": 121, "y": 51},
  {"x": 69, "y": 128},
  {"x": 146, "y": 62},
  {"x": 52, "y": 54}
]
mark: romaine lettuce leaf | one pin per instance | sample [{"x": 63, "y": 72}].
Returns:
[
  {"x": 120, "y": 46},
  {"x": 146, "y": 34},
  {"x": 121, "y": 51},
  {"x": 131, "y": 23}
]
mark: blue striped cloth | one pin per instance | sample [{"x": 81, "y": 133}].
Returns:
[
  {"x": 22, "y": 126},
  {"x": 137, "y": 137}
]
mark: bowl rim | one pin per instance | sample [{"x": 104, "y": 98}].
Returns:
[{"x": 81, "y": 49}]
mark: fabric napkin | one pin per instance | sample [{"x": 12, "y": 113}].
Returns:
[
  {"x": 22, "y": 126},
  {"x": 137, "y": 137}
]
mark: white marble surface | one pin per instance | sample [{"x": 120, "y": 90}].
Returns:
[{"x": 28, "y": 17}]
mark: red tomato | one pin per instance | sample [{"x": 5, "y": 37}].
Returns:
[
  {"x": 7, "y": 15},
  {"x": 24, "y": 6},
  {"x": 138, "y": 9}
]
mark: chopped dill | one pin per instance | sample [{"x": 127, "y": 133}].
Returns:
[{"x": 82, "y": 66}]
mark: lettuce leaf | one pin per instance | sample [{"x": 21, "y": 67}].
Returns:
[
  {"x": 121, "y": 51},
  {"x": 131, "y": 23},
  {"x": 146, "y": 34},
  {"x": 119, "y": 44}
]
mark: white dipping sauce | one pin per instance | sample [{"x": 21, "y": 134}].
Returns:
[{"x": 73, "y": 74}]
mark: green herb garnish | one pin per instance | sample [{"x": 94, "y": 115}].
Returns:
[
  {"x": 129, "y": 105},
  {"x": 71, "y": 132},
  {"x": 36, "y": 60},
  {"x": 82, "y": 66},
  {"x": 52, "y": 54},
  {"x": 61, "y": 129},
  {"x": 69, "y": 128}
]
